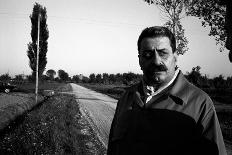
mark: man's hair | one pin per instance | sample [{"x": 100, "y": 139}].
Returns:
[{"x": 157, "y": 31}]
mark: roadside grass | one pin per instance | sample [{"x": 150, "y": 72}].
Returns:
[
  {"x": 53, "y": 127},
  {"x": 115, "y": 91}
]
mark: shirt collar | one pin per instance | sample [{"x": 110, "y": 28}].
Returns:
[
  {"x": 179, "y": 88},
  {"x": 150, "y": 90}
]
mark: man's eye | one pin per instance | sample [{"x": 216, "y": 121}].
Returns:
[
  {"x": 147, "y": 54},
  {"x": 162, "y": 53}
]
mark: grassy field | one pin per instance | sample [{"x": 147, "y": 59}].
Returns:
[
  {"x": 220, "y": 95},
  {"x": 29, "y": 87},
  {"x": 53, "y": 127},
  {"x": 114, "y": 91}
]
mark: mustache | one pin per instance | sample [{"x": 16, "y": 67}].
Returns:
[{"x": 158, "y": 68}]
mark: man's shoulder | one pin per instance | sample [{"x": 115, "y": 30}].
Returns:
[
  {"x": 134, "y": 87},
  {"x": 127, "y": 98},
  {"x": 189, "y": 92},
  {"x": 198, "y": 96},
  {"x": 196, "y": 101},
  {"x": 197, "y": 92},
  {"x": 130, "y": 90}
]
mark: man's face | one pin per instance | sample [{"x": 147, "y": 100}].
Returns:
[{"x": 157, "y": 60}]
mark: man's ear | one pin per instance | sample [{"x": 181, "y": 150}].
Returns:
[
  {"x": 175, "y": 56},
  {"x": 140, "y": 63}
]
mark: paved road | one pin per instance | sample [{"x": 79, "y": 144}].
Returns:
[{"x": 100, "y": 109}]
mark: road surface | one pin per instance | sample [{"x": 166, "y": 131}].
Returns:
[{"x": 98, "y": 107}]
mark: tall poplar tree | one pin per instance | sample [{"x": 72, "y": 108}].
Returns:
[{"x": 43, "y": 44}]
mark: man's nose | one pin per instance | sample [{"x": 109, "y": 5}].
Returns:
[{"x": 156, "y": 58}]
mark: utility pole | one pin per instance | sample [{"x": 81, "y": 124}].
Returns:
[{"x": 37, "y": 61}]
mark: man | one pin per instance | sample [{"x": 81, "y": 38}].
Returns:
[{"x": 164, "y": 113}]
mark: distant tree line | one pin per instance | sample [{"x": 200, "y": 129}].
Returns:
[
  {"x": 194, "y": 76},
  {"x": 105, "y": 78},
  {"x": 219, "y": 88},
  {"x": 203, "y": 81},
  {"x": 49, "y": 76}
]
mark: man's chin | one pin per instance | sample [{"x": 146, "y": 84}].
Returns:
[
  {"x": 155, "y": 79},
  {"x": 157, "y": 74}
]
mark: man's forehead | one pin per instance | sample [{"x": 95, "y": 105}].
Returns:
[{"x": 157, "y": 42}]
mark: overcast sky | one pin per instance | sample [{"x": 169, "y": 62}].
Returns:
[{"x": 98, "y": 36}]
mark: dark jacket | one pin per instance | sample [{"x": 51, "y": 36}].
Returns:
[{"x": 179, "y": 120}]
